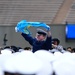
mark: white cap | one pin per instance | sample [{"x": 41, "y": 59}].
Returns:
[
  {"x": 44, "y": 55},
  {"x": 20, "y": 50},
  {"x": 47, "y": 58},
  {"x": 6, "y": 51},
  {"x": 57, "y": 55},
  {"x": 3, "y": 59},
  {"x": 47, "y": 69},
  {"x": 64, "y": 67},
  {"x": 69, "y": 56},
  {"x": 23, "y": 63},
  {"x": 1, "y": 72}
]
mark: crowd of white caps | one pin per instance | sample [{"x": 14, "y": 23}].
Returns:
[{"x": 41, "y": 62}]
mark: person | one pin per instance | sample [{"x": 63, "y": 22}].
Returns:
[
  {"x": 73, "y": 50},
  {"x": 28, "y": 48},
  {"x": 42, "y": 40},
  {"x": 69, "y": 49},
  {"x": 56, "y": 47}
]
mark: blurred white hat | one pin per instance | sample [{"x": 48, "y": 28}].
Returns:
[
  {"x": 20, "y": 50},
  {"x": 47, "y": 58},
  {"x": 3, "y": 59},
  {"x": 64, "y": 67},
  {"x": 57, "y": 55},
  {"x": 66, "y": 55},
  {"x": 1, "y": 72},
  {"x": 44, "y": 55},
  {"x": 69, "y": 56},
  {"x": 6, "y": 51},
  {"x": 23, "y": 63},
  {"x": 47, "y": 69}
]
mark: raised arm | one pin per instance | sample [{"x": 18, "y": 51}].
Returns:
[
  {"x": 48, "y": 33},
  {"x": 49, "y": 40},
  {"x": 28, "y": 38}
]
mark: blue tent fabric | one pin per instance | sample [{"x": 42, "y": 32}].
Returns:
[{"x": 23, "y": 26}]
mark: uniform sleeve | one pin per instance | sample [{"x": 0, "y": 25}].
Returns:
[
  {"x": 28, "y": 38},
  {"x": 48, "y": 42}
]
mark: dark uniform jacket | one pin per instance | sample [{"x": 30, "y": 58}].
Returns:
[{"x": 38, "y": 45}]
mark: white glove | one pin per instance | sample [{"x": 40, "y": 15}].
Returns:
[{"x": 16, "y": 29}]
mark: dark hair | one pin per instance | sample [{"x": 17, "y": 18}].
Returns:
[
  {"x": 57, "y": 40},
  {"x": 73, "y": 49},
  {"x": 14, "y": 48},
  {"x": 8, "y": 73},
  {"x": 27, "y": 48},
  {"x": 19, "y": 48},
  {"x": 69, "y": 47},
  {"x": 7, "y": 47}
]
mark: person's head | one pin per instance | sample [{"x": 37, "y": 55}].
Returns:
[
  {"x": 69, "y": 49},
  {"x": 73, "y": 49},
  {"x": 41, "y": 35},
  {"x": 55, "y": 41},
  {"x": 9, "y": 48},
  {"x": 14, "y": 48},
  {"x": 27, "y": 48}
]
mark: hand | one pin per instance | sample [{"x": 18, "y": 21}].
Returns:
[
  {"x": 49, "y": 33},
  {"x": 54, "y": 46}
]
